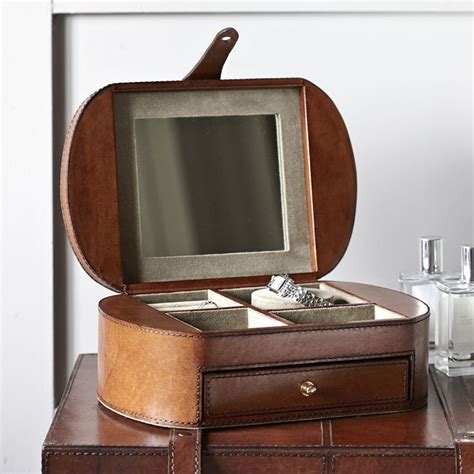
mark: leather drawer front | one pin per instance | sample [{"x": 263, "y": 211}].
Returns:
[{"x": 344, "y": 384}]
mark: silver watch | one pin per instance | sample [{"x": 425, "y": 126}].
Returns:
[{"x": 285, "y": 287}]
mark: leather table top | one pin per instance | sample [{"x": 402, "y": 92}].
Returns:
[{"x": 85, "y": 437}]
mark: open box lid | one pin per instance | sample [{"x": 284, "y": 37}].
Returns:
[{"x": 205, "y": 183}]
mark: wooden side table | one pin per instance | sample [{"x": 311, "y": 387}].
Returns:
[{"x": 87, "y": 438}]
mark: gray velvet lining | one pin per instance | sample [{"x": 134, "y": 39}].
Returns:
[
  {"x": 245, "y": 294},
  {"x": 330, "y": 315},
  {"x": 296, "y": 258},
  {"x": 340, "y": 297},
  {"x": 229, "y": 317},
  {"x": 175, "y": 296},
  {"x": 226, "y": 319},
  {"x": 211, "y": 295}
]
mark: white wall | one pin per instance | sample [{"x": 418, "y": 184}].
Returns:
[
  {"x": 402, "y": 81},
  {"x": 26, "y": 219}
]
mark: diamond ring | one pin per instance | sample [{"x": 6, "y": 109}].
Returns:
[
  {"x": 207, "y": 303},
  {"x": 285, "y": 287}
]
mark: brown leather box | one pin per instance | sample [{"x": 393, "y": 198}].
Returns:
[
  {"x": 186, "y": 197},
  {"x": 87, "y": 438}
]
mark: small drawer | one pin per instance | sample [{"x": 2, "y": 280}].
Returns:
[{"x": 309, "y": 387}]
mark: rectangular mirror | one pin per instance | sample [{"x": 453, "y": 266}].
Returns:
[{"x": 208, "y": 185}]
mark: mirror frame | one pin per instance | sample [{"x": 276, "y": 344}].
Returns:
[
  {"x": 282, "y": 103},
  {"x": 89, "y": 196}
]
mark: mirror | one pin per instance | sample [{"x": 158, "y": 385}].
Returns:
[
  {"x": 211, "y": 183},
  {"x": 208, "y": 185}
]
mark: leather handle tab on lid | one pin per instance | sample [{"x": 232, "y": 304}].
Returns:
[
  {"x": 184, "y": 455},
  {"x": 213, "y": 60}
]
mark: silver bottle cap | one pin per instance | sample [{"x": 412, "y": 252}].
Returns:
[
  {"x": 467, "y": 264},
  {"x": 431, "y": 254}
]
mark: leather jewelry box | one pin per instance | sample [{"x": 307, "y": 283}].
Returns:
[{"x": 186, "y": 197}]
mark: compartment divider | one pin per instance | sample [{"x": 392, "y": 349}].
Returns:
[
  {"x": 231, "y": 309},
  {"x": 189, "y": 301},
  {"x": 336, "y": 314},
  {"x": 227, "y": 319},
  {"x": 272, "y": 315},
  {"x": 236, "y": 299},
  {"x": 341, "y": 298}
]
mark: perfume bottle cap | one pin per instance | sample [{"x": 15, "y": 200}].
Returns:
[
  {"x": 431, "y": 254},
  {"x": 467, "y": 264}
]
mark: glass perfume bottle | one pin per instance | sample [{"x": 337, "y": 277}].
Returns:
[
  {"x": 422, "y": 285},
  {"x": 456, "y": 320}
]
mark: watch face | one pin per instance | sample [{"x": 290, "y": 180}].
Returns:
[{"x": 277, "y": 283}]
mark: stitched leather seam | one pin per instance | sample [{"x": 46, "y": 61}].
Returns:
[
  {"x": 65, "y": 208},
  {"x": 129, "y": 453},
  {"x": 109, "y": 445},
  {"x": 142, "y": 415},
  {"x": 399, "y": 446},
  {"x": 293, "y": 407},
  {"x": 105, "y": 453},
  {"x": 311, "y": 414},
  {"x": 267, "y": 418},
  {"x": 382, "y": 409},
  {"x": 286, "y": 330},
  {"x": 412, "y": 368},
  {"x": 315, "y": 407},
  {"x": 297, "y": 362},
  {"x": 270, "y": 455},
  {"x": 291, "y": 371},
  {"x": 311, "y": 455},
  {"x": 329, "y": 448},
  {"x": 460, "y": 458},
  {"x": 172, "y": 453},
  {"x": 395, "y": 455},
  {"x": 198, "y": 395},
  {"x": 196, "y": 454},
  {"x": 172, "y": 445}
]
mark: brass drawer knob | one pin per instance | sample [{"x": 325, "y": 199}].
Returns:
[{"x": 308, "y": 388}]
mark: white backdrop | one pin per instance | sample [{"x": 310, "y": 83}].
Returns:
[{"x": 402, "y": 81}]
